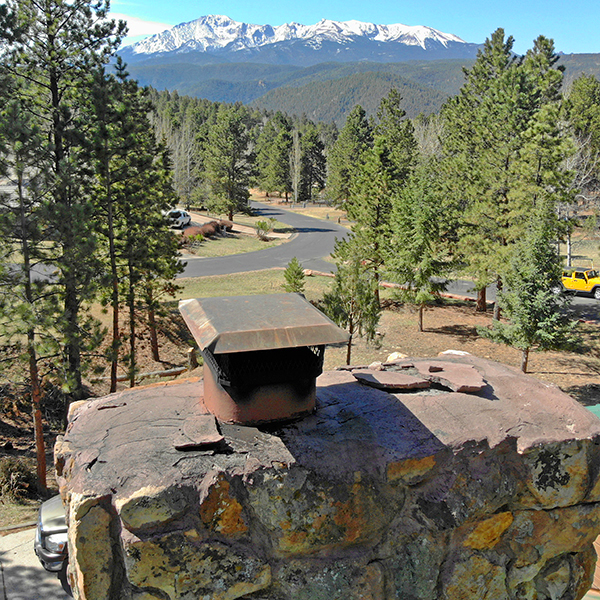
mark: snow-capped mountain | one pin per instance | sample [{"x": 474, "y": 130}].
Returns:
[{"x": 294, "y": 43}]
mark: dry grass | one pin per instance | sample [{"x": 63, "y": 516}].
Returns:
[
  {"x": 229, "y": 245},
  {"x": 310, "y": 210}
]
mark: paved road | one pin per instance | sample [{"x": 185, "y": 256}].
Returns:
[
  {"x": 582, "y": 307},
  {"x": 315, "y": 239},
  {"x": 22, "y": 577}
]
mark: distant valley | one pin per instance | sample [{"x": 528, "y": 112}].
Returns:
[{"x": 321, "y": 71}]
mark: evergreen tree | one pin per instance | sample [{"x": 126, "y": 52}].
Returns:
[
  {"x": 228, "y": 161},
  {"x": 352, "y": 303},
  {"x": 386, "y": 168},
  {"x": 397, "y": 134},
  {"x": 582, "y": 113},
  {"x": 132, "y": 187},
  {"x": 487, "y": 174},
  {"x": 28, "y": 308},
  {"x": 347, "y": 155},
  {"x": 273, "y": 156},
  {"x": 418, "y": 254},
  {"x": 536, "y": 314},
  {"x": 294, "y": 277},
  {"x": 59, "y": 43},
  {"x": 314, "y": 163}
]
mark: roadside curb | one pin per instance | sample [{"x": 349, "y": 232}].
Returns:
[
  {"x": 386, "y": 284},
  {"x": 16, "y": 528}
]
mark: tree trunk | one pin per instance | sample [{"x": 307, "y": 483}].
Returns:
[
  {"x": 116, "y": 334},
  {"x": 481, "y": 305},
  {"x": 421, "y": 310},
  {"x": 524, "y": 359},
  {"x": 36, "y": 392},
  {"x": 131, "y": 306},
  {"x": 569, "y": 247},
  {"x": 153, "y": 333},
  {"x": 36, "y": 400},
  {"x": 349, "y": 349},
  {"x": 497, "y": 310}
]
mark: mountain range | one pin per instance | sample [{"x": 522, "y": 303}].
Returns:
[
  {"x": 321, "y": 70},
  {"x": 215, "y": 38}
]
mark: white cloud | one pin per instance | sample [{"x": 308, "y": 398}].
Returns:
[{"x": 140, "y": 27}]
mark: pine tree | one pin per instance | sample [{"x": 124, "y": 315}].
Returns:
[
  {"x": 314, "y": 163},
  {"x": 294, "y": 277},
  {"x": 486, "y": 128},
  {"x": 28, "y": 308},
  {"x": 273, "y": 156},
  {"x": 228, "y": 161},
  {"x": 352, "y": 303},
  {"x": 536, "y": 314},
  {"x": 418, "y": 254},
  {"x": 347, "y": 155},
  {"x": 59, "y": 42},
  {"x": 131, "y": 187}
]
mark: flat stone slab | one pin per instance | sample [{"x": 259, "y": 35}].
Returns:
[
  {"x": 457, "y": 377},
  {"x": 198, "y": 431},
  {"x": 391, "y": 380}
]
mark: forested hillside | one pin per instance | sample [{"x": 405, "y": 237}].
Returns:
[
  {"x": 295, "y": 90},
  {"x": 332, "y": 100}
]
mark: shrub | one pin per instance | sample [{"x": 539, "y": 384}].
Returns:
[
  {"x": 226, "y": 225},
  {"x": 294, "y": 277},
  {"x": 17, "y": 480},
  {"x": 263, "y": 228},
  {"x": 210, "y": 229}
]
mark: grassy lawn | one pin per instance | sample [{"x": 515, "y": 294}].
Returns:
[
  {"x": 13, "y": 513},
  {"x": 231, "y": 244},
  {"x": 248, "y": 284}
]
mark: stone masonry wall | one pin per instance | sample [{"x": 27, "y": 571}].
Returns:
[{"x": 488, "y": 492}]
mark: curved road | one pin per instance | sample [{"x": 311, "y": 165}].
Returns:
[{"x": 315, "y": 239}]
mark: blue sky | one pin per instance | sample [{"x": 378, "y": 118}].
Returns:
[{"x": 572, "y": 25}]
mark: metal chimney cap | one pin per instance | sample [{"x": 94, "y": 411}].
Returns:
[{"x": 228, "y": 324}]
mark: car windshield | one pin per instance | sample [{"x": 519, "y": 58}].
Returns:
[
  {"x": 591, "y": 274},
  {"x": 175, "y": 214}
]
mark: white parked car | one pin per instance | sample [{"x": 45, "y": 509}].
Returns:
[{"x": 179, "y": 218}]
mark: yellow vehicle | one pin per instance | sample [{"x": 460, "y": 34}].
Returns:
[{"x": 582, "y": 281}]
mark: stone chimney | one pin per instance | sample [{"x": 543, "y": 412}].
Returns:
[{"x": 446, "y": 479}]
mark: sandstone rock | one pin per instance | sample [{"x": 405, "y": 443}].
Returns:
[
  {"x": 180, "y": 566},
  {"x": 420, "y": 496},
  {"x": 376, "y": 366},
  {"x": 151, "y": 506},
  {"x": 307, "y": 516},
  {"x": 536, "y": 536},
  {"x": 413, "y": 558},
  {"x": 198, "y": 431},
  {"x": 487, "y": 533},
  {"x": 391, "y": 380},
  {"x": 394, "y": 356},
  {"x": 351, "y": 579},
  {"x": 558, "y": 475},
  {"x": 460, "y": 378},
  {"x": 220, "y": 511},
  {"x": 91, "y": 550},
  {"x": 475, "y": 577}
]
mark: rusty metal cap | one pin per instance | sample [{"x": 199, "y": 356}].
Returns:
[{"x": 229, "y": 324}]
